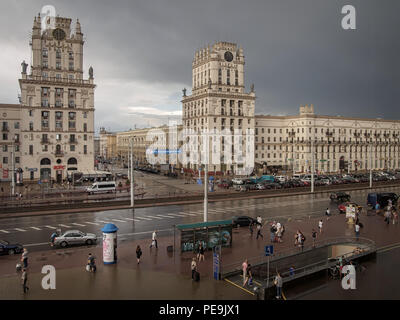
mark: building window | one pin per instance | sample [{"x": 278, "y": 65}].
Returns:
[
  {"x": 5, "y": 160},
  {"x": 16, "y": 159},
  {"x": 31, "y": 149},
  {"x": 45, "y": 53},
  {"x": 72, "y": 147},
  {"x": 85, "y": 137},
  {"x": 85, "y": 126},
  {"x": 85, "y": 149}
]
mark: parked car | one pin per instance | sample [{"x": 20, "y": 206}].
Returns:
[
  {"x": 342, "y": 206},
  {"x": 280, "y": 178},
  {"x": 382, "y": 198},
  {"x": 340, "y": 196},
  {"x": 243, "y": 221},
  {"x": 75, "y": 237},
  {"x": 9, "y": 248}
]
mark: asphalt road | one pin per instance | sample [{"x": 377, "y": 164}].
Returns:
[{"x": 34, "y": 232}]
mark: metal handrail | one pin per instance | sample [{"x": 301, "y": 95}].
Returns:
[{"x": 261, "y": 259}]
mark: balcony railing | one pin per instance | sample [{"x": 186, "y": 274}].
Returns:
[
  {"x": 45, "y": 141},
  {"x": 63, "y": 80},
  {"x": 73, "y": 141},
  {"x": 5, "y": 129},
  {"x": 59, "y": 153}
]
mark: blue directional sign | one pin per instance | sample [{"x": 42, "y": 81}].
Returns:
[
  {"x": 269, "y": 250},
  {"x": 166, "y": 151}
]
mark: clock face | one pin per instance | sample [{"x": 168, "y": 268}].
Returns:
[
  {"x": 228, "y": 56},
  {"x": 59, "y": 34}
]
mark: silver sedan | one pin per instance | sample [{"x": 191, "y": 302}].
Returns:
[{"x": 73, "y": 237}]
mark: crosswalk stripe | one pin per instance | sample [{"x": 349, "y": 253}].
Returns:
[
  {"x": 143, "y": 218},
  {"x": 96, "y": 224},
  {"x": 35, "y": 228},
  {"x": 118, "y": 220},
  {"x": 50, "y": 227},
  {"x": 154, "y": 217},
  {"x": 175, "y": 214},
  {"x": 187, "y": 214},
  {"x": 104, "y": 221},
  {"x": 131, "y": 219},
  {"x": 160, "y": 215},
  {"x": 78, "y": 224},
  {"x": 4, "y": 231},
  {"x": 18, "y": 229},
  {"x": 64, "y": 225}
]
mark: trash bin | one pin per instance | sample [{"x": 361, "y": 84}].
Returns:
[{"x": 110, "y": 243}]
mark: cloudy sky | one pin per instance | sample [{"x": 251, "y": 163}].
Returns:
[{"x": 296, "y": 53}]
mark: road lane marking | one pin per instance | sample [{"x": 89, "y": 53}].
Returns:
[
  {"x": 131, "y": 219},
  {"x": 188, "y": 214},
  {"x": 104, "y": 221},
  {"x": 160, "y": 215},
  {"x": 236, "y": 285},
  {"x": 96, "y": 224},
  {"x": 78, "y": 224},
  {"x": 143, "y": 218},
  {"x": 64, "y": 225},
  {"x": 175, "y": 214},
  {"x": 18, "y": 229},
  {"x": 50, "y": 227},
  {"x": 4, "y": 231},
  {"x": 118, "y": 220},
  {"x": 154, "y": 217},
  {"x": 36, "y": 228}
]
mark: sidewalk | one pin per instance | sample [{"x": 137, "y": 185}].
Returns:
[{"x": 161, "y": 275}]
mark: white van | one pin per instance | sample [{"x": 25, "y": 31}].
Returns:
[
  {"x": 297, "y": 176},
  {"x": 100, "y": 187},
  {"x": 280, "y": 178}
]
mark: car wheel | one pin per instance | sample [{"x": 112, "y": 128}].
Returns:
[
  {"x": 11, "y": 252},
  {"x": 89, "y": 242},
  {"x": 63, "y": 244}
]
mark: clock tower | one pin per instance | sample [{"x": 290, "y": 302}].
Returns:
[
  {"x": 57, "y": 104},
  {"x": 219, "y": 100}
]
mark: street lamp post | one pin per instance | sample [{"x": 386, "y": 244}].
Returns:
[
  {"x": 312, "y": 164},
  {"x": 13, "y": 170},
  {"x": 132, "y": 178},
  {"x": 206, "y": 181}
]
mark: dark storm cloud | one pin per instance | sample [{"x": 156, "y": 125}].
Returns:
[{"x": 296, "y": 51}]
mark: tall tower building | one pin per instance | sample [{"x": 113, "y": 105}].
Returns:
[
  {"x": 57, "y": 104},
  {"x": 218, "y": 100}
]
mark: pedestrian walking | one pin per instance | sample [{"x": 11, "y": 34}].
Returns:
[
  {"x": 200, "y": 255},
  {"x": 357, "y": 230},
  {"x": 395, "y": 217},
  {"x": 320, "y": 224},
  {"x": 249, "y": 276},
  {"x": 251, "y": 228},
  {"x": 278, "y": 283},
  {"x": 24, "y": 280},
  {"x": 138, "y": 253},
  {"x": 91, "y": 262},
  {"x": 259, "y": 220},
  {"x": 259, "y": 232},
  {"x": 387, "y": 217},
  {"x": 302, "y": 239},
  {"x": 314, "y": 237},
  {"x": 24, "y": 258},
  {"x": 377, "y": 208},
  {"x": 272, "y": 232},
  {"x": 193, "y": 267},
  {"x": 53, "y": 236},
  {"x": 291, "y": 271},
  {"x": 244, "y": 269},
  {"x": 327, "y": 213},
  {"x": 154, "y": 239}
]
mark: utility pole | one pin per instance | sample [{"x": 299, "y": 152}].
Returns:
[
  {"x": 12, "y": 170},
  {"x": 206, "y": 181},
  {"x": 132, "y": 178},
  {"x": 312, "y": 165},
  {"x": 129, "y": 160},
  {"x": 370, "y": 167}
]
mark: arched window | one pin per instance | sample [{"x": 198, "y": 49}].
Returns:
[
  {"x": 72, "y": 161},
  {"x": 45, "y": 162}
]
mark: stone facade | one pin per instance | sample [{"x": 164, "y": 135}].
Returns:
[{"x": 57, "y": 105}]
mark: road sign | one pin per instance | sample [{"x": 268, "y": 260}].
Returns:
[{"x": 269, "y": 251}]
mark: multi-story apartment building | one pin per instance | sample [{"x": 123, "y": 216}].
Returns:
[
  {"x": 150, "y": 145},
  {"x": 57, "y": 104},
  {"x": 10, "y": 140},
  {"x": 108, "y": 144},
  {"x": 339, "y": 143},
  {"x": 218, "y": 101}
]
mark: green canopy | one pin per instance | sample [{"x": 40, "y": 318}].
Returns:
[{"x": 204, "y": 224}]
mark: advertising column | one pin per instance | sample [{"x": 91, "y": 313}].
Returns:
[{"x": 110, "y": 243}]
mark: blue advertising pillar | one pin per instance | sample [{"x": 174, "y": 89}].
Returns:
[{"x": 110, "y": 243}]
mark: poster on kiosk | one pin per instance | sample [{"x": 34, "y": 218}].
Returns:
[{"x": 110, "y": 243}]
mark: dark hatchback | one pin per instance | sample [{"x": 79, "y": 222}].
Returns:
[
  {"x": 243, "y": 221},
  {"x": 9, "y": 248},
  {"x": 340, "y": 197}
]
